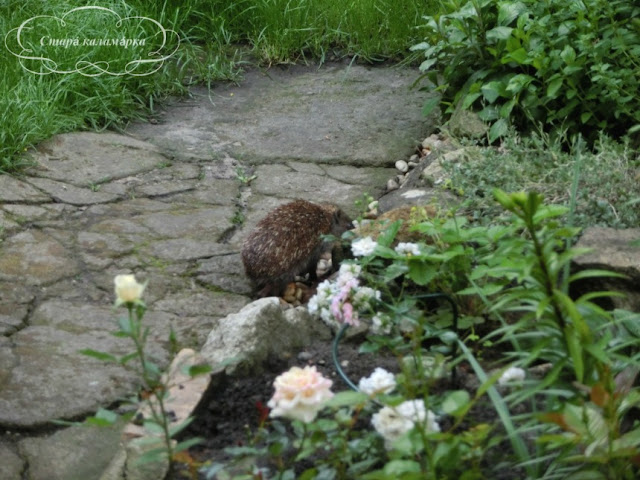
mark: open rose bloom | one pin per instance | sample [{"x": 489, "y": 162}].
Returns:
[
  {"x": 300, "y": 394},
  {"x": 127, "y": 289}
]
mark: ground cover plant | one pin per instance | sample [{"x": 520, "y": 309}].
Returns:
[
  {"x": 603, "y": 182},
  {"x": 574, "y": 418},
  {"x": 561, "y": 66}
]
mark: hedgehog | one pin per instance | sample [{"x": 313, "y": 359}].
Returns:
[{"x": 287, "y": 242}]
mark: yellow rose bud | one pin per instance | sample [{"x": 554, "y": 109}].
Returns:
[{"x": 128, "y": 290}]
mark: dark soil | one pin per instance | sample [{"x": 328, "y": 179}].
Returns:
[{"x": 232, "y": 406}]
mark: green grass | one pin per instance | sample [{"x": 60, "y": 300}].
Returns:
[{"x": 214, "y": 37}]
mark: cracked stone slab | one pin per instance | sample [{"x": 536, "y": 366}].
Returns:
[
  {"x": 356, "y": 115},
  {"x": 84, "y": 158},
  {"x": 282, "y": 181},
  {"x": 74, "y": 453},
  {"x": 72, "y": 195},
  {"x": 225, "y": 272},
  {"x": 34, "y": 258},
  {"x": 181, "y": 249},
  {"x": 11, "y": 465},
  {"x": 50, "y": 379},
  {"x": 179, "y": 221},
  {"x": 14, "y": 190}
]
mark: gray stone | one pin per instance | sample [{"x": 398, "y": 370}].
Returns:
[
  {"x": 323, "y": 115},
  {"x": 464, "y": 123},
  {"x": 51, "y": 379},
  {"x": 306, "y": 167},
  {"x": 177, "y": 222},
  {"x": 75, "y": 453},
  {"x": 224, "y": 272},
  {"x": 247, "y": 338},
  {"x": 210, "y": 192},
  {"x": 70, "y": 194},
  {"x": 34, "y": 258},
  {"x": 202, "y": 303},
  {"x": 166, "y": 187},
  {"x": 181, "y": 249},
  {"x": 14, "y": 190},
  {"x": 281, "y": 181},
  {"x": 84, "y": 158},
  {"x": 11, "y": 465},
  {"x": 612, "y": 250},
  {"x": 26, "y": 213}
]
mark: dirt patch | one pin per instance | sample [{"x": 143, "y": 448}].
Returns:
[{"x": 231, "y": 407}]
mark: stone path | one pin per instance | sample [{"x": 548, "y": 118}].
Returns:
[{"x": 165, "y": 201}]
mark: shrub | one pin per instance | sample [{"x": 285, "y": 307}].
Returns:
[{"x": 565, "y": 65}]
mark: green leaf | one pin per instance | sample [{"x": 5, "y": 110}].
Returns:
[
  {"x": 430, "y": 105},
  {"x": 595, "y": 273},
  {"x": 492, "y": 90},
  {"x": 575, "y": 351},
  {"x": 554, "y": 86},
  {"x": 421, "y": 272},
  {"x": 568, "y": 54},
  {"x": 152, "y": 427},
  {"x": 520, "y": 56},
  {"x": 586, "y": 475},
  {"x": 195, "y": 370},
  {"x": 175, "y": 429},
  {"x": 126, "y": 358},
  {"x": 187, "y": 444},
  {"x": 509, "y": 11},
  {"x": 308, "y": 474},
  {"x": 486, "y": 290},
  {"x": 456, "y": 402},
  {"x": 152, "y": 456},
  {"x": 389, "y": 234},
  {"x": 347, "y": 398},
  {"x": 103, "y": 418},
  {"x": 499, "y": 33},
  {"x": 427, "y": 64},
  {"x": 105, "y": 357},
  {"x": 498, "y": 129},
  {"x": 400, "y": 467}
]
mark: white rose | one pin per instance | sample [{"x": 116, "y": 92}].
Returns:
[
  {"x": 394, "y": 422},
  {"x": 299, "y": 394},
  {"x": 512, "y": 374},
  {"x": 404, "y": 248},
  {"x": 380, "y": 381},
  {"x": 363, "y": 247}
]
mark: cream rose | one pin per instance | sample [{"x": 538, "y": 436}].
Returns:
[
  {"x": 128, "y": 289},
  {"x": 299, "y": 394}
]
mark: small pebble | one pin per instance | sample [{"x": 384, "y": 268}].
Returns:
[
  {"x": 402, "y": 166},
  {"x": 304, "y": 356},
  {"x": 344, "y": 363},
  {"x": 413, "y": 158},
  {"x": 400, "y": 179},
  {"x": 392, "y": 185},
  {"x": 413, "y": 164}
]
